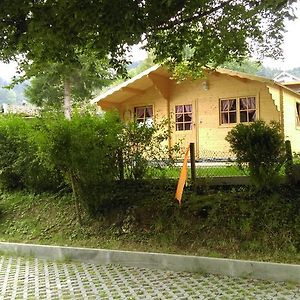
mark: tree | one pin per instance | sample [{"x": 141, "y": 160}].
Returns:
[
  {"x": 39, "y": 33},
  {"x": 47, "y": 89},
  {"x": 246, "y": 66}
]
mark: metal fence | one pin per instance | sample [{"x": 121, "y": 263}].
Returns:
[
  {"x": 208, "y": 164},
  {"x": 218, "y": 164}
]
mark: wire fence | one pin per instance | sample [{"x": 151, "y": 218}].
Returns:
[
  {"x": 218, "y": 164},
  {"x": 208, "y": 164}
]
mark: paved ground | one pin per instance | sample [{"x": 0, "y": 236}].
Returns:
[{"x": 25, "y": 278}]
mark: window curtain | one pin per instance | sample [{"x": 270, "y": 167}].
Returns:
[
  {"x": 149, "y": 112},
  {"x": 243, "y": 103},
  {"x": 224, "y": 105},
  {"x": 179, "y": 111},
  {"x": 140, "y": 112},
  {"x": 188, "y": 110},
  {"x": 252, "y": 116},
  {"x": 232, "y": 103},
  {"x": 251, "y": 103}
]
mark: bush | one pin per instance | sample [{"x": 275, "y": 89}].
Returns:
[
  {"x": 143, "y": 147},
  {"x": 261, "y": 147},
  {"x": 83, "y": 154},
  {"x": 19, "y": 164},
  {"x": 84, "y": 149}
]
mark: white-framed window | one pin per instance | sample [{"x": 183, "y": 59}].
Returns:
[
  {"x": 298, "y": 114},
  {"x": 238, "y": 110},
  {"x": 183, "y": 117},
  {"x": 144, "y": 114}
]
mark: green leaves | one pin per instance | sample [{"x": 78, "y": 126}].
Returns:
[
  {"x": 261, "y": 146},
  {"x": 45, "y": 32}
]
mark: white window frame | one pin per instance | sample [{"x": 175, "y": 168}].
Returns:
[
  {"x": 184, "y": 122},
  {"x": 237, "y": 110},
  {"x": 148, "y": 121}
]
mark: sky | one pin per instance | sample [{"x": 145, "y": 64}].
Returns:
[{"x": 290, "y": 47}]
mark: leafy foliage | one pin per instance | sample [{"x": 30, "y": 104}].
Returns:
[
  {"x": 145, "y": 146},
  {"x": 231, "y": 30},
  {"x": 83, "y": 149},
  {"x": 19, "y": 164},
  {"x": 47, "y": 88},
  {"x": 42, "y": 33},
  {"x": 261, "y": 147},
  {"x": 246, "y": 66}
]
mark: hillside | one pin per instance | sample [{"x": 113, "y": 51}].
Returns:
[{"x": 145, "y": 217}]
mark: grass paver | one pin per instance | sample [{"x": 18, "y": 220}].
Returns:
[{"x": 29, "y": 278}]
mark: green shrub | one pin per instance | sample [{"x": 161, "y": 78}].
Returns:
[
  {"x": 260, "y": 147},
  {"x": 19, "y": 164},
  {"x": 83, "y": 149},
  {"x": 143, "y": 147}
]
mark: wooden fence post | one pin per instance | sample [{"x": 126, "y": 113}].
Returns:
[
  {"x": 120, "y": 164},
  {"x": 289, "y": 159},
  {"x": 193, "y": 164}
]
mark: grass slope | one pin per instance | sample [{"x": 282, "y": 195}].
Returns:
[{"x": 145, "y": 217}]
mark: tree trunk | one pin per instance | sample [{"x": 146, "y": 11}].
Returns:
[
  {"x": 76, "y": 200},
  {"x": 67, "y": 99}
]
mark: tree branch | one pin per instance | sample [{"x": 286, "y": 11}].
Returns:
[{"x": 192, "y": 18}]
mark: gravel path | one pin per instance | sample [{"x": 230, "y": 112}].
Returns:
[{"x": 27, "y": 278}]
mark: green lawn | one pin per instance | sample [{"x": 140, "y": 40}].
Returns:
[{"x": 207, "y": 171}]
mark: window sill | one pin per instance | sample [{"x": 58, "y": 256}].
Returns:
[{"x": 227, "y": 125}]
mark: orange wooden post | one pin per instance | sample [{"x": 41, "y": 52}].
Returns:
[{"x": 193, "y": 164}]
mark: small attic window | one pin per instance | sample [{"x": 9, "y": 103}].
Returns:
[
  {"x": 298, "y": 113},
  {"x": 144, "y": 114}
]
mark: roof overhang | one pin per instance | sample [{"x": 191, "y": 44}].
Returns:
[
  {"x": 143, "y": 81},
  {"x": 132, "y": 87}
]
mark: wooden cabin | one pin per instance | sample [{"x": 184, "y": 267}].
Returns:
[{"x": 203, "y": 111}]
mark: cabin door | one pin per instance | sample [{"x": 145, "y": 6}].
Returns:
[{"x": 184, "y": 128}]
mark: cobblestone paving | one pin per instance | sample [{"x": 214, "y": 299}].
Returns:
[{"x": 25, "y": 278}]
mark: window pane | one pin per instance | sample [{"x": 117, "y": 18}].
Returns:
[
  {"x": 188, "y": 108},
  {"x": 252, "y": 115},
  {"x": 139, "y": 112},
  {"x": 251, "y": 103},
  {"x": 224, "y": 105},
  {"x": 188, "y": 126},
  {"x": 243, "y": 103},
  {"x": 179, "y": 108},
  {"x": 188, "y": 118},
  {"x": 243, "y": 116},
  {"x": 179, "y": 118},
  {"x": 232, "y": 104},
  {"x": 232, "y": 117},
  {"x": 224, "y": 118},
  {"x": 179, "y": 127},
  {"x": 149, "y": 112}
]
